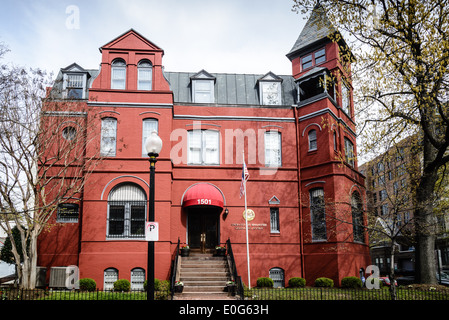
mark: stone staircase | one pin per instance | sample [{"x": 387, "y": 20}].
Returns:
[{"x": 203, "y": 274}]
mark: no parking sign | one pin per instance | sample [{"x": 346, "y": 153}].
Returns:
[{"x": 152, "y": 231}]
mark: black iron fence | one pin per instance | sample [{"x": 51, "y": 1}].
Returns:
[
  {"x": 313, "y": 293},
  {"x": 49, "y": 294},
  {"x": 308, "y": 293}
]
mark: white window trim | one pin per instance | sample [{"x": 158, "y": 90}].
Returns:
[
  {"x": 268, "y": 162},
  {"x": 113, "y": 151},
  {"x": 315, "y": 140},
  {"x": 263, "y": 99},
  {"x": 195, "y": 90},
  {"x": 65, "y": 81},
  {"x": 203, "y": 147},
  {"x": 146, "y": 134},
  {"x": 112, "y": 75}
]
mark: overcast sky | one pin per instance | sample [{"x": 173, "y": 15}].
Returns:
[{"x": 232, "y": 36}]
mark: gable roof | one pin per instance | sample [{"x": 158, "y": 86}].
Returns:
[
  {"x": 127, "y": 41},
  {"x": 317, "y": 28}
]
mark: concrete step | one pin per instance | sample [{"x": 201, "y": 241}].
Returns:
[
  {"x": 203, "y": 288},
  {"x": 204, "y": 278},
  {"x": 191, "y": 264},
  {"x": 188, "y": 283}
]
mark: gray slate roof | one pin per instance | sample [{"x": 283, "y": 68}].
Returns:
[
  {"x": 317, "y": 28},
  {"x": 230, "y": 88}
]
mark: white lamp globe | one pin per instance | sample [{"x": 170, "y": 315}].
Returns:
[{"x": 153, "y": 144}]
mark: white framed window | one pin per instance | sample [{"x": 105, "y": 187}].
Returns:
[
  {"x": 345, "y": 98},
  {"x": 137, "y": 279},
  {"x": 203, "y": 147},
  {"x": 274, "y": 220},
  {"x": 349, "y": 152},
  {"x": 75, "y": 85},
  {"x": 273, "y": 152},
  {"x": 318, "y": 214},
  {"x": 270, "y": 92},
  {"x": 108, "y": 137},
  {"x": 148, "y": 126},
  {"x": 110, "y": 276},
  {"x": 203, "y": 91},
  {"x": 118, "y": 74},
  {"x": 144, "y": 75},
  {"x": 126, "y": 212},
  {"x": 277, "y": 275},
  {"x": 312, "y": 140}
]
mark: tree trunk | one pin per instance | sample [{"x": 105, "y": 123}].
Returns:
[
  {"x": 424, "y": 221},
  {"x": 391, "y": 275}
]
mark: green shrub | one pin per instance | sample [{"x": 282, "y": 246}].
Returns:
[
  {"x": 88, "y": 284},
  {"x": 297, "y": 282},
  {"x": 351, "y": 282},
  {"x": 158, "y": 285},
  {"x": 122, "y": 285},
  {"x": 265, "y": 282},
  {"x": 324, "y": 282}
]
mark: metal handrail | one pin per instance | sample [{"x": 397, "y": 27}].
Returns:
[
  {"x": 233, "y": 269},
  {"x": 174, "y": 268}
]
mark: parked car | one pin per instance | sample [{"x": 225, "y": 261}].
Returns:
[
  {"x": 444, "y": 279},
  {"x": 411, "y": 279},
  {"x": 386, "y": 281}
]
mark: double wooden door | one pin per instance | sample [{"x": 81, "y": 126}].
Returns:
[{"x": 203, "y": 229}]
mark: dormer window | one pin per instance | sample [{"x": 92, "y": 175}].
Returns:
[
  {"x": 118, "y": 74},
  {"x": 75, "y": 86},
  {"x": 74, "y": 82},
  {"x": 270, "y": 89},
  {"x": 203, "y": 87}
]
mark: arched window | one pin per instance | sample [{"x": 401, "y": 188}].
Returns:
[
  {"x": 110, "y": 276},
  {"x": 318, "y": 214},
  {"x": 277, "y": 275},
  {"x": 312, "y": 140},
  {"x": 144, "y": 75},
  {"x": 137, "y": 279},
  {"x": 357, "y": 217},
  {"x": 118, "y": 74},
  {"x": 126, "y": 212}
]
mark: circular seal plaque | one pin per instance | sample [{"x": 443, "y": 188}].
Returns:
[{"x": 250, "y": 215}]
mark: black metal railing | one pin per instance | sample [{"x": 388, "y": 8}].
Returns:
[
  {"x": 255, "y": 293},
  {"x": 10, "y": 293},
  {"x": 174, "y": 268},
  {"x": 233, "y": 270},
  {"x": 314, "y": 293}
]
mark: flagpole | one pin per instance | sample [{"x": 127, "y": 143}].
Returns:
[{"x": 246, "y": 227}]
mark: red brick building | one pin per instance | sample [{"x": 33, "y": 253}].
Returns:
[{"x": 298, "y": 136}]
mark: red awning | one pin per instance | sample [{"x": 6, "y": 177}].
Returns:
[{"x": 201, "y": 194}]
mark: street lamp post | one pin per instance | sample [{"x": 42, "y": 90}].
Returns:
[{"x": 153, "y": 145}]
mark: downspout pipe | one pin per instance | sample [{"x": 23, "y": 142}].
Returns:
[{"x": 298, "y": 150}]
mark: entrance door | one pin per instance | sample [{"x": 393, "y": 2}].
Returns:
[{"x": 203, "y": 228}]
